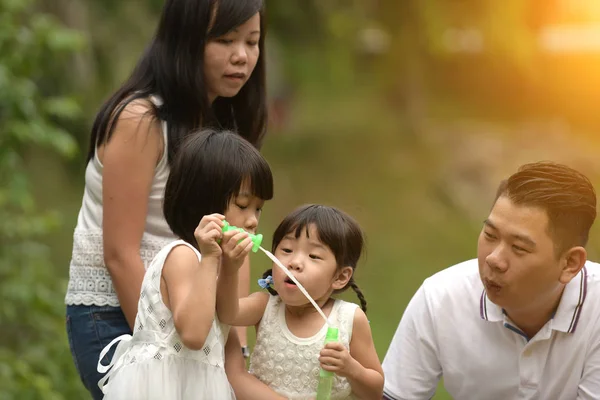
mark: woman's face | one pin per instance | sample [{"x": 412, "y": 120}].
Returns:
[{"x": 230, "y": 59}]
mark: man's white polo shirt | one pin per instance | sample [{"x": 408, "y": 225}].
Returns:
[{"x": 451, "y": 329}]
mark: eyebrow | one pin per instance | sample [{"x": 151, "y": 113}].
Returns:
[
  {"x": 523, "y": 238},
  {"x": 310, "y": 242},
  {"x": 316, "y": 244},
  {"x": 252, "y": 33}
]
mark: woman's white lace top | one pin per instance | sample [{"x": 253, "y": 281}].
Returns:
[
  {"x": 289, "y": 364},
  {"x": 89, "y": 280}
]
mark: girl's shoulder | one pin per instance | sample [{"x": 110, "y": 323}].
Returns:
[
  {"x": 181, "y": 251},
  {"x": 347, "y": 314},
  {"x": 176, "y": 252},
  {"x": 346, "y": 308}
]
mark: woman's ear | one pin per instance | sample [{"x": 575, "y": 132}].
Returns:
[{"x": 342, "y": 277}]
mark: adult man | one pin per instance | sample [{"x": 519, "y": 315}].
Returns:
[{"x": 522, "y": 321}]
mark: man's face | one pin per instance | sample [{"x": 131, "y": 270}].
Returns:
[{"x": 518, "y": 265}]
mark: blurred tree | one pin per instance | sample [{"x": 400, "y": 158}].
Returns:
[
  {"x": 34, "y": 361},
  {"x": 421, "y": 33}
]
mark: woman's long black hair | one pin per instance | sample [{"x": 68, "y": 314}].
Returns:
[{"x": 171, "y": 67}]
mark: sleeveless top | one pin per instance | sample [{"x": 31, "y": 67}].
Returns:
[
  {"x": 289, "y": 364},
  {"x": 154, "y": 362},
  {"x": 89, "y": 280}
]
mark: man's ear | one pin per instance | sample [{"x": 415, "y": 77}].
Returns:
[
  {"x": 342, "y": 277},
  {"x": 573, "y": 261}
]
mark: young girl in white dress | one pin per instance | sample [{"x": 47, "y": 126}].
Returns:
[
  {"x": 177, "y": 347},
  {"x": 321, "y": 247}
]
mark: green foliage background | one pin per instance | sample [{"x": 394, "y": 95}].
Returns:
[{"x": 411, "y": 140}]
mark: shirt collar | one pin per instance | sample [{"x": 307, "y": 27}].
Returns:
[{"x": 567, "y": 315}]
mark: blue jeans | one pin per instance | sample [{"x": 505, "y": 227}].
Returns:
[{"x": 90, "y": 329}]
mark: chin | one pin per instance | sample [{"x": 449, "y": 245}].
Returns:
[{"x": 229, "y": 93}]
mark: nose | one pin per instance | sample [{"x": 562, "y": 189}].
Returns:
[
  {"x": 295, "y": 263},
  {"x": 496, "y": 261},
  {"x": 251, "y": 223},
  {"x": 240, "y": 55}
]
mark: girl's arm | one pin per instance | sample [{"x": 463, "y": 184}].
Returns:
[
  {"x": 231, "y": 309},
  {"x": 361, "y": 365},
  {"x": 247, "y": 311},
  {"x": 243, "y": 291},
  {"x": 227, "y": 295},
  {"x": 190, "y": 293},
  {"x": 245, "y": 385},
  {"x": 129, "y": 159}
]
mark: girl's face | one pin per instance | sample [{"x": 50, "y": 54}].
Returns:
[
  {"x": 230, "y": 59},
  {"x": 244, "y": 209},
  {"x": 312, "y": 263}
]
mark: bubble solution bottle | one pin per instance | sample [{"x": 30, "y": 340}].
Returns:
[{"x": 326, "y": 377}]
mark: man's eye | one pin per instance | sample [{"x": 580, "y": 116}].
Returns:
[{"x": 519, "y": 249}]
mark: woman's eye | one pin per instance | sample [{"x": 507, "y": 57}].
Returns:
[
  {"x": 252, "y": 43},
  {"x": 224, "y": 41}
]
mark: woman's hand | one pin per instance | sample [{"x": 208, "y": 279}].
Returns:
[{"x": 208, "y": 232}]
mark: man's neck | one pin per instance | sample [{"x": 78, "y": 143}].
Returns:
[{"x": 531, "y": 320}]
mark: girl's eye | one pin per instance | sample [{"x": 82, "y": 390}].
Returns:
[
  {"x": 315, "y": 257},
  {"x": 286, "y": 250},
  {"x": 241, "y": 207}
]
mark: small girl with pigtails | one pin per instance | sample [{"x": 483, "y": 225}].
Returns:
[{"x": 320, "y": 246}]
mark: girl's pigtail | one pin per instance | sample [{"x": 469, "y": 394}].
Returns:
[
  {"x": 359, "y": 294},
  {"x": 266, "y": 282}
]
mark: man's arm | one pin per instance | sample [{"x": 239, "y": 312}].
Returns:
[{"x": 411, "y": 366}]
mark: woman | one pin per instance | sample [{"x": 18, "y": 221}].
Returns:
[{"x": 203, "y": 68}]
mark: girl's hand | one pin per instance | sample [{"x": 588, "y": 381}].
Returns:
[
  {"x": 235, "y": 246},
  {"x": 207, "y": 233},
  {"x": 335, "y": 357}
]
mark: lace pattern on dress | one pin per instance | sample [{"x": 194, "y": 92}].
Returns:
[
  {"x": 289, "y": 365},
  {"x": 89, "y": 280}
]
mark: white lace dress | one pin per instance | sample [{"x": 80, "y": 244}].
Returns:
[
  {"x": 154, "y": 363},
  {"x": 289, "y": 364}
]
